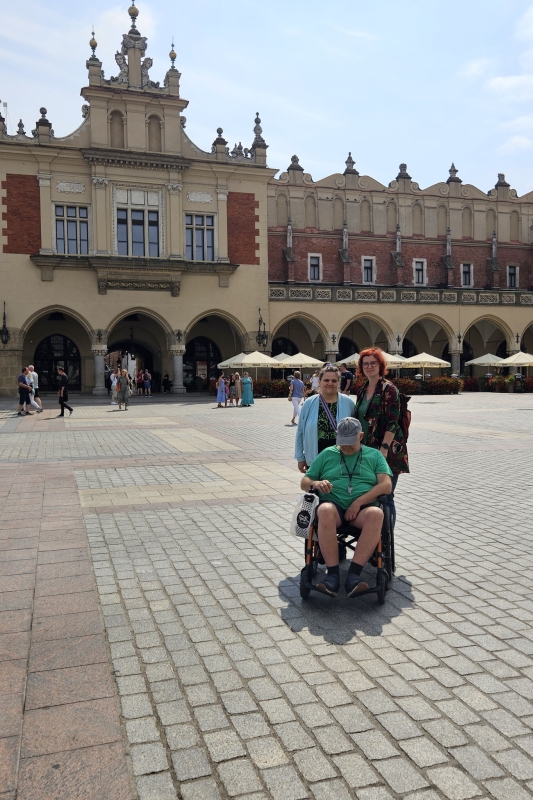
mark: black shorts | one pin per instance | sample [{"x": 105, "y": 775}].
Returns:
[
  {"x": 36, "y": 392},
  {"x": 342, "y": 511},
  {"x": 24, "y": 396}
]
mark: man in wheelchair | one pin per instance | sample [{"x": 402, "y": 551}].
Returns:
[{"x": 349, "y": 478}]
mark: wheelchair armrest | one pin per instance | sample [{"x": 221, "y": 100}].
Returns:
[{"x": 382, "y": 499}]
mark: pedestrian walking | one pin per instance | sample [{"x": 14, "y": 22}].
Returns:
[
  {"x": 24, "y": 394},
  {"x": 296, "y": 395},
  {"x": 315, "y": 382},
  {"x": 114, "y": 379},
  {"x": 232, "y": 392},
  {"x": 34, "y": 384},
  {"x": 63, "y": 393},
  {"x": 238, "y": 389},
  {"x": 147, "y": 380},
  {"x": 346, "y": 379},
  {"x": 166, "y": 383},
  {"x": 247, "y": 391},
  {"x": 140, "y": 383},
  {"x": 378, "y": 410},
  {"x": 123, "y": 390},
  {"x": 221, "y": 390}
]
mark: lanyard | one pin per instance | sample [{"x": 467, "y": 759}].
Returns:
[
  {"x": 358, "y": 460},
  {"x": 328, "y": 413}
]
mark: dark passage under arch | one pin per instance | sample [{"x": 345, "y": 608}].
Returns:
[{"x": 53, "y": 352}]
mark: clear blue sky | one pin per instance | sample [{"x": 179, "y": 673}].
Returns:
[{"x": 427, "y": 82}]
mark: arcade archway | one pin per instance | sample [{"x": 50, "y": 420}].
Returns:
[{"x": 57, "y": 338}]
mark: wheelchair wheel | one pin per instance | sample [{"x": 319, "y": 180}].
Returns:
[
  {"x": 381, "y": 587},
  {"x": 393, "y": 557},
  {"x": 314, "y": 560},
  {"x": 387, "y": 542},
  {"x": 304, "y": 580}
]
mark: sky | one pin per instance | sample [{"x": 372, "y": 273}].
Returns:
[{"x": 425, "y": 83}]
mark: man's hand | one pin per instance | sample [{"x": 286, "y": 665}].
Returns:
[
  {"x": 324, "y": 487},
  {"x": 353, "y": 511},
  {"x": 302, "y": 466}
]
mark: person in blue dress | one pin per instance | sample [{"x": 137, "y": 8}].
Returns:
[
  {"x": 247, "y": 391},
  {"x": 221, "y": 390}
]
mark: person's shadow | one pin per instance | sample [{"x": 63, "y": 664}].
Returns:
[{"x": 339, "y": 620}]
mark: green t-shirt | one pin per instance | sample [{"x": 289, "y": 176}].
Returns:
[
  {"x": 361, "y": 411},
  {"x": 328, "y": 466}
]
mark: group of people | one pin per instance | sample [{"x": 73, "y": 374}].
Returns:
[
  {"x": 235, "y": 390},
  {"x": 28, "y": 386},
  {"x": 351, "y": 451}
]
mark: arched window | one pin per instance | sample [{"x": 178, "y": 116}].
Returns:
[
  {"x": 310, "y": 212},
  {"x": 515, "y": 226},
  {"x": 491, "y": 222},
  {"x": 154, "y": 134},
  {"x": 442, "y": 221},
  {"x": 338, "y": 214},
  {"x": 200, "y": 362},
  {"x": 347, "y": 347},
  {"x": 467, "y": 222},
  {"x": 391, "y": 218},
  {"x": 283, "y": 214},
  {"x": 408, "y": 348},
  {"x": 418, "y": 228},
  {"x": 53, "y": 352},
  {"x": 366, "y": 224},
  {"x": 283, "y": 345},
  {"x": 117, "y": 130}
]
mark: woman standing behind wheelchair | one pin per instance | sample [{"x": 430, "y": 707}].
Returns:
[
  {"x": 319, "y": 415},
  {"x": 378, "y": 411}
]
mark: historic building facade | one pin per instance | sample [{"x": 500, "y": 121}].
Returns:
[{"x": 127, "y": 237}]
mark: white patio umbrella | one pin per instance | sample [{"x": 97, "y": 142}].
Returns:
[
  {"x": 394, "y": 360},
  {"x": 229, "y": 361},
  {"x": 299, "y": 361},
  {"x": 350, "y": 361},
  {"x": 247, "y": 360},
  {"x": 488, "y": 360},
  {"x": 424, "y": 361},
  {"x": 281, "y": 356},
  {"x": 518, "y": 360}
]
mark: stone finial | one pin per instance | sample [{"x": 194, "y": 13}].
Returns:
[
  {"x": 43, "y": 112},
  {"x": 501, "y": 180},
  {"x": 134, "y": 13},
  {"x": 295, "y": 164},
  {"x": 258, "y": 130},
  {"x": 219, "y": 139},
  {"x": 453, "y": 175},
  {"x": 350, "y": 166},
  {"x": 403, "y": 174},
  {"x": 172, "y": 55},
  {"x": 93, "y": 44},
  {"x": 20, "y": 129}
]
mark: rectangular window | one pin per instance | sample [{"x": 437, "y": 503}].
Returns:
[
  {"x": 512, "y": 276},
  {"x": 466, "y": 274},
  {"x": 419, "y": 272},
  {"x": 200, "y": 237},
  {"x": 72, "y": 230},
  {"x": 137, "y": 233},
  {"x": 368, "y": 270},
  {"x": 122, "y": 232},
  {"x": 153, "y": 234},
  {"x": 314, "y": 268}
]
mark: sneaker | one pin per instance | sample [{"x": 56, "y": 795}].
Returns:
[
  {"x": 40, "y": 411},
  {"x": 21, "y": 414},
  {"x": 71, "y": 412},
  {"x": 30, "y": 413},
  {"x": 329, "y": 584},
  {"x": 354, "y": 585},
  {"x": 113, "y": 403}
]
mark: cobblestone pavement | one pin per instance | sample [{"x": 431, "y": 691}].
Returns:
[{"x": 153, "y": 643}]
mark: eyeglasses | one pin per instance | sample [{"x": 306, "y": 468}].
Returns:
[{"x": 370, "y": 364}]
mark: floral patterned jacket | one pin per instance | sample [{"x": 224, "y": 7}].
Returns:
[{"x": 383, "y": 414}]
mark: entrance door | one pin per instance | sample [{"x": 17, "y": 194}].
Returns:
[
  {"x": 53, "y": 352},
  {"x": 200, "y": 362}
]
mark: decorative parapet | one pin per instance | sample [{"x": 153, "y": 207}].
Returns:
[{"x": 344, "y": 294}]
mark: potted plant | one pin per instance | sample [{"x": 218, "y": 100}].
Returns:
[{"x": 510, "y": 382}]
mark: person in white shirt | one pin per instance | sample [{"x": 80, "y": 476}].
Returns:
[
  {"x": 114, "y": 378},
  {"x": 33, "y": 380}
]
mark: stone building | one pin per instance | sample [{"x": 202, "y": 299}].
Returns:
[{"x": 126, "y": 237}]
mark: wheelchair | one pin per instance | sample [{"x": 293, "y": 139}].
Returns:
[{"x": 347, "y": 536}]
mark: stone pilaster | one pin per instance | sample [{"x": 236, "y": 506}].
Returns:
[
  {"x": 177, "y": 371},
  {"x": 99, "y": 371},
  {"x": 222, "y": 195}
]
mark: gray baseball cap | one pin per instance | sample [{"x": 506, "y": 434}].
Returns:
[{"x": 348, "y": 430}]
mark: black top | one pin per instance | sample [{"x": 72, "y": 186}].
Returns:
[
  {"x": 345, "y": 377},
  {"x": 63, "y": 383}
]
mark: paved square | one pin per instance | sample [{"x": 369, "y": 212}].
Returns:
[{"x": 153, "y": 642}]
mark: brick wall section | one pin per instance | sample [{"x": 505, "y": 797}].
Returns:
[
  {"x": 242, "y": 229},
  {"x": 328, "y": 245},
  {"x": 22, "y": 215}
]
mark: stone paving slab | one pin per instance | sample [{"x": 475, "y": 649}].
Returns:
[{"x": 228, "y": 684}]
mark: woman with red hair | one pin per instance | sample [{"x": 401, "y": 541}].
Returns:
[{"x": 378, "y": 410}]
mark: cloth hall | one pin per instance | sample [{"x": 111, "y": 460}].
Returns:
[{"x": 125, "y": 236}]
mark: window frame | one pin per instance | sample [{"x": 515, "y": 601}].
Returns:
[
  {"x": 320, "y": 267},
  {"x": 516, "y": 276},
  {"x": 205, "y": 227},
  {"x": 470, "y": 266},
  {"x": 147, "y": 208},
  {"x": 424, "y": 263},
  {"x": 373, "y": 267},
  {"x": 78, "y": 220}
]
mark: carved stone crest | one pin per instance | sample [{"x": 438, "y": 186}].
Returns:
[
  {"x": 70, "y": 187},
  {"x": 100, "y": 183},
  {"x": 200, "y": 197}
]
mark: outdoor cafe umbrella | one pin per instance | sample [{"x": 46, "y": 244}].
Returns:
[
  {"x": 424, "y": 361},
  {"x": 299, "y": 361},
  {"x": 488, "y": 360},
  {"x": 281, "y": 356},
  {"x": 247, "y": 360},
  {"x": 392, "y": 360},
  {"x": 351, "y": 361},
  {"x": 518, "y": 360}
]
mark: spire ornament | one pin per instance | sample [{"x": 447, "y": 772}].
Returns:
[
  {"x": 350, "y": 166},
  {"x": 172, "y": 55},
  {"x": 133, "y": 11},
  {"x": 453, "y": 175},
  {"x": 258, "y": 130},
  {"x": 93, "y": 44}
]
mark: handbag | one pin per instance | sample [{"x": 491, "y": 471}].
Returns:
[{"x": 304, "y": 514}]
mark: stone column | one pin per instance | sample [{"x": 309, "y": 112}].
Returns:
[
  {"x": 331, "y": 356},
  {"x": 177, "y": 371},
  {"x": 456, "y": 361},
  {"x": 222, "y": 195},
  {"x": 99, "y": 372}
]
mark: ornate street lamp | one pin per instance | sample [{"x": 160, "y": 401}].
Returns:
[
  {"x": 5, "y": 336},
  {"x": 262, "y": 335}
]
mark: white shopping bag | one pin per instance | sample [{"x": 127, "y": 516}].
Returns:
[{"x": 304, "y": 514}]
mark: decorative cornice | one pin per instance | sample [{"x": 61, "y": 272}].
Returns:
[{"x": 133, "y": 159}]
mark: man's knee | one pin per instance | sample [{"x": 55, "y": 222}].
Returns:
[
  {"x": 328, "y": 515},
  {"x": 374, "y": 515}
]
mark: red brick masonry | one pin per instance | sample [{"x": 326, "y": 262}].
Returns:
[
  {"x": 242, "y": 230},
  {"x": 23, "y": 215}
]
